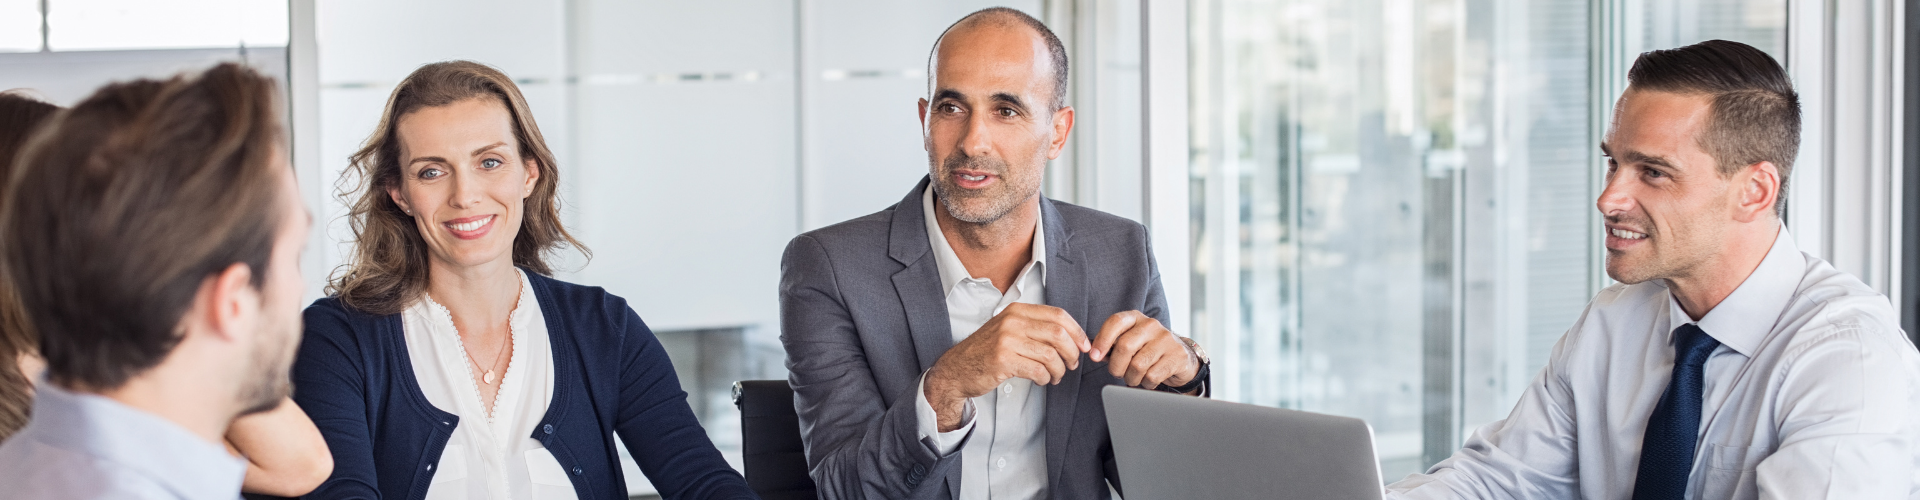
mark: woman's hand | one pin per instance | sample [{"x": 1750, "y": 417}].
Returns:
[{"x": 285, "y": 454}]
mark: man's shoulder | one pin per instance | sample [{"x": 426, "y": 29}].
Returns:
[
  {"x": 1618, "y": 309},
  {"x": 1833, "y": 306},
  {"x": 32, "y": 469},
  {"x": 867, "y": 231},
  {"x": 1092, "y": 223}
]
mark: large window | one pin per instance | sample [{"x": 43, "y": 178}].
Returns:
[
  {"x": 1392, "y": 199},
  {"x": 61, "y": 50}
]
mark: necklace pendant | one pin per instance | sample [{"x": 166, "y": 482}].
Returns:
[{"x": 488, "y": 377}]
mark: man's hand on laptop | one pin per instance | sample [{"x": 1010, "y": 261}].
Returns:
[
  {"x": 1034, "y": 342},
  {"x": 1143, "y": 353}
]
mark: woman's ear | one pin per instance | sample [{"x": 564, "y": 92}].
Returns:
[
  {"x": 394, "y": 193},
  {"x": 533, "y": 178}
]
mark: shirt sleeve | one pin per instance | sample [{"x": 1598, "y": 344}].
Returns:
[
  {"x": 944, "y": 443},
  {"x": 1844, "y": 411},
  {"x": 1530, "y": 454}
]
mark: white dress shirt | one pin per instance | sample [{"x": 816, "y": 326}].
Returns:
[
  {"x": 1006, "y": 458},
  {"x": 1814, "y": 392},
  {"x": 491, "y": 454}
]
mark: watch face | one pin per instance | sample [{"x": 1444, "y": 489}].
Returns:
[{"x": 1197, "y": 351}]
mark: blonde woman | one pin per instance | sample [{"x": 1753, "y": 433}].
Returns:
[{"x": 447, "y": 364}]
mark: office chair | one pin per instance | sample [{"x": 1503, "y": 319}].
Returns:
[{"x": 776, "y": 460}]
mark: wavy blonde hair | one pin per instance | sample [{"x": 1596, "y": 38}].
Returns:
[{"x": 389, "y": 266}]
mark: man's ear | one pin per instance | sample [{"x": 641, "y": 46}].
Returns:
[
  {"x": 926, "y": 136},
  {"x": 226, "y": 301},
  {"x": 1758, "y": 188},
  {"x": 1062, "y": 125}
]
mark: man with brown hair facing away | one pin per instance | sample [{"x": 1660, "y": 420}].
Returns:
[{"x": 154, "y": 236}]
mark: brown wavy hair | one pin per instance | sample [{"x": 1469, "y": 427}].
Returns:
[
  {"x": 389, "y": 266},
  {"x": 19, "y": 117}
]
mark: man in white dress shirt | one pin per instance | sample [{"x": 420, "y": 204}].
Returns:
[
  {"x": 1726, "y": 363},
  {"x": 954, "y": 346},
  {"x": 154, "y": 237}
]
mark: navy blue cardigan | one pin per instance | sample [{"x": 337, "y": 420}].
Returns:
[{"x": 353, "y": 377}]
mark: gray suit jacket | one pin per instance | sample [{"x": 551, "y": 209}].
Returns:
[{"x": 862, "y": 316}]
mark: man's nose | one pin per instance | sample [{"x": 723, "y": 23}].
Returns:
[
  {"x": 977, "y": 140},
  {"x": 1615, "y": 198}
]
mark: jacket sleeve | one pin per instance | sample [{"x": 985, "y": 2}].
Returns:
[
  {"x": 329, "y": 385},
  {"x": 658, "y": 426},
  {"x": 857, "y": 447}
]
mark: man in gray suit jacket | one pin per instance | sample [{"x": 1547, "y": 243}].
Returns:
[{"x": 940, "y": 349}]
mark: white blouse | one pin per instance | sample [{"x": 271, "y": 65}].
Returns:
[{"x": 491, "y": 455}]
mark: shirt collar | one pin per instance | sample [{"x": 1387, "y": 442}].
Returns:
[
  {"x": 1749, "y": 313},
  {"x": 952, "y": 271},
  {"x": 137, "y": 441}
]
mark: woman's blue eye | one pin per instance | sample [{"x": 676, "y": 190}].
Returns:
[
  {"x": 489, "y": 163},
  {"x": 430, "y": 173}
]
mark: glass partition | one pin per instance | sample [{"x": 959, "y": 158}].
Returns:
[{"x": 1392, "y": 199}]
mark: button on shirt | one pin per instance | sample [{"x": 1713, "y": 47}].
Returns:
[
  {"x": 491, "y": 454},
  {"x": 1813, "y": 393},
  {"x": 84, "y": 446},
  {"x": 1005, "y": 458}
]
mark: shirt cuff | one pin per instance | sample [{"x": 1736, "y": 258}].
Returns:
[{"x": 944, "y": 443}]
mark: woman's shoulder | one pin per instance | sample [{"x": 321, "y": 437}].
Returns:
[
  {"x": 574, "y": 298},
  {"x": 329, "y": 316}
]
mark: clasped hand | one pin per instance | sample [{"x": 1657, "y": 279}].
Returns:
[{"x": 1042, "y": 343}]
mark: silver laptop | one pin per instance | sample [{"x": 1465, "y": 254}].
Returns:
[{"x": 1180, "y": 447}]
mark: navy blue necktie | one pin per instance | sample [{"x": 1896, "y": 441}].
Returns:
[{"x": 1673, "y": 431}]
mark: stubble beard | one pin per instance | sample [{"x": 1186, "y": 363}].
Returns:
[
  {"x": 999, "y": 200},
  {"x": 1667, "y": 259},
  {"x": 272, "y": 361}
]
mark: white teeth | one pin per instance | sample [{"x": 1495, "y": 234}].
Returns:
[
  {"x": 973, "y": 177},
  {"x": 470, "y": 226},
  {"x": 1629, "y": 235}
]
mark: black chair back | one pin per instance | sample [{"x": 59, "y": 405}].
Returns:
[{"x": 776, "y": 460}]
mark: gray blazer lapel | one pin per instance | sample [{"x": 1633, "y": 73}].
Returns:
[
  {"x": 1067, "y": 290},
  {"x": 919, "y": 284}
]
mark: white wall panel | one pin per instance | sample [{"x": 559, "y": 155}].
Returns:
[
  {"x": 375, "y": 41},
  {"x": 864, "y": 70},
  {"x": 685, "y": 180}
]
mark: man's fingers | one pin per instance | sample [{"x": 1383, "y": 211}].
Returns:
[
  {"x": 1162, "y": 369},
  {"x": 1127, "y": 349},
  {"x": 1044, "y": 355},
  {"x": 1137, "y": 369},
  {"x": 1042, "y": 375},
  {"x": 1110, "y": 331},
  {"x": 1060, "y": 340},
  {"x": 1077, "y": 335},
  {"x": 1024, "y": 367}
]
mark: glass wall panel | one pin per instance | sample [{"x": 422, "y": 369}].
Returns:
[
  {"x": 19, "y": 25},
  {"x": 141, "y": 24},
  {"x": 1392, "y": 199}
]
